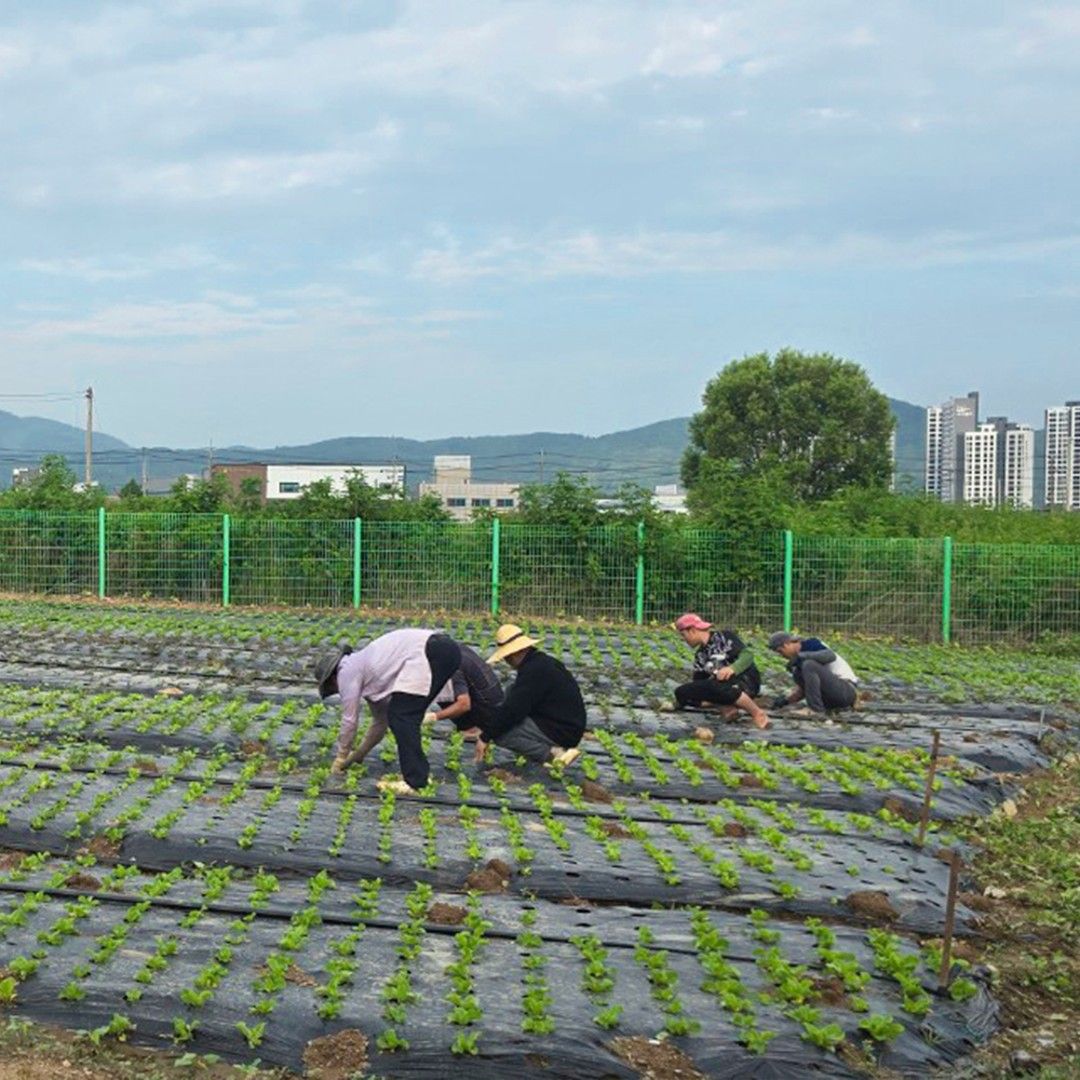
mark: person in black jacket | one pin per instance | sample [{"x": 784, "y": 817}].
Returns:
[{"x": 543, "y": 716}]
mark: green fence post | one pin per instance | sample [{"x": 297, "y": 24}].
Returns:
[
  {"x": 101, "y": 552},
  {"x": 495, "y": 552},
  {"x": 225, "y": 560},
  {"x": 946, "y": 591},
  {"x": 356, "y": 527},
  {"x": 639, "y": 582},
  {"x": 789, "y": 558}
]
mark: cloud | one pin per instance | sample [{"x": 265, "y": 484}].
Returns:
[
  {"x": 96, "y": 269},
  {"x": 628, "y": 255}
]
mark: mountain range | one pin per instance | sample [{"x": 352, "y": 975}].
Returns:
[{"x": 647, "y": 455}]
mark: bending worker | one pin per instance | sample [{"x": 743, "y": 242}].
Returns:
[
  {"x": 821, "y": 675},
  {"x": 398, "y": 675},
  {"x": 543, "y": 716},
  {"x": 471, "y": 697},
  {"x": 724, "y": 670}
]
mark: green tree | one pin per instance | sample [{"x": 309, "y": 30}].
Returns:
[
  {"x": 568, "y": 500},
  {"x": 815, "y": 420},
  {"x": 53, "y": 488}
]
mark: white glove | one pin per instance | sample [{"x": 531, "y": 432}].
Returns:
[
  {"x": 431, "y": 718},
  {"x": 341, "y": 762}
]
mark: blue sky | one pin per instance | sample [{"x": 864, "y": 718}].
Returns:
[{"x": 274, "y": 221}]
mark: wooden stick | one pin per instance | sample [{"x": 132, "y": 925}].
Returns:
[
  {"x": 924, "y": 818},
  {"x": 950, "y": 919}
]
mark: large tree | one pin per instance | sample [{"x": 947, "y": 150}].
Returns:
[{"x": 815, "y": 422}]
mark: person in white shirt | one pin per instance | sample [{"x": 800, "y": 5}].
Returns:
[{"x": 821, "y": 675}]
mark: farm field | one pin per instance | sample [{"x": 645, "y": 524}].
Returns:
[{"x": 179, "y": 868}]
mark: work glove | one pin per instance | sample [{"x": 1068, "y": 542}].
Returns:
[
  {"x": 431, "y": 718},
  {"x": 341, "y": 763},
  {"x": 780, "y": 701}
]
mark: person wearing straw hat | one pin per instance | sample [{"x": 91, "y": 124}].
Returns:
[
  {"x": 543, "y": 716},
  {"x": 398, "y": 675},
  {"x": 724, "y": 671},
  {"x": 823, "y": 677}
]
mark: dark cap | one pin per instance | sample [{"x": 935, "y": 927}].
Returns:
[
  {"x": 326, "y": 669},
  {"x": 781, "y": 637}
]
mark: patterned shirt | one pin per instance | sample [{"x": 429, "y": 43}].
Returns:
[{"x": 721, "y": 650}]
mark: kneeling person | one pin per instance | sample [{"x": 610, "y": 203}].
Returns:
[
  {"x": 724, "y": 670},
  {"x": 470, "y": 697},
  {"x": 822, "y": 676},
  {"x": 543, "y": 716}
]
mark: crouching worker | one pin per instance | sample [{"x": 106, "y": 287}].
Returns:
[
  {"x": 724, "y": 671},
  {"x": 470, "y": 698},
  {"x": 398, "y": 675},
  {"x": 543, "y": 716},
  {"x": 822, "y": 676}
]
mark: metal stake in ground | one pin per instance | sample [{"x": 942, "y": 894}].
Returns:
[
  {"x": 950, "y": 919},
  {"x": 924, "y": 818}
]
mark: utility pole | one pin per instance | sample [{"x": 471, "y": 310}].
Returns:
[
  {"x": 89, "y": 437},
  {"x": 145, "y": 479},
  {"x": 541, "y": 466}
]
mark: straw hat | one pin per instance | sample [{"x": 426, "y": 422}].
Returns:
[{"x": 510, "y": 639}]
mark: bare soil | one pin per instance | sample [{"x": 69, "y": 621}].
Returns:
[
  {"x": 749, "y": 780},
  {"x": 336, "y": 1057},
  {"x": 493, "y": 878},
  {"x": 655, "y": 1060},
  {"x": 446, "y": 914},
  {"x": 872, "y": 904},
  {"x": 615, "y": 830},
  {"x": 594, "y": 792},
  {"x": 506, "y": 776},
  {"x": 733, "y": 828},
  {"x": 82, "y": 881},
  {"x": 101, "y": 847}
]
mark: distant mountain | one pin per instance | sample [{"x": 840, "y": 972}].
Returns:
[{"x": 647, "y": 455}]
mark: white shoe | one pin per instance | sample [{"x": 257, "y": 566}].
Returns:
[
  {"x": 393, "y": 784},
  {"x": 565, "y": 758}
]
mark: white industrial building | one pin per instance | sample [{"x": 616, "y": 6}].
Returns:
[
  {"x": 289, "y": 481},
  {"x": 461, "y": 495}
]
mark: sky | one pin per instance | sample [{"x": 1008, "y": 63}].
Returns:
[{"x": 276, "y": 221}]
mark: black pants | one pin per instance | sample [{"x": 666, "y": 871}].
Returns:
[
  {"x": 714, "y": 692},
  {"x": 822, "y": 688},
  {"x": 405, "y": 713}
]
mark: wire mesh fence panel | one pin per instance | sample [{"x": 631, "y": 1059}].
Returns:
[
  {"x": 421, "y": 564},
  {"x": 551, "y": 570},
  {"x": 291, "y": 561},
  {"x": 48, "y": 552},
  {"x": 875, "y": 586},
  {"x": 1014, "y": 591},
  {"x": 736, "y": 580},
  {"x": 176, "y": 556}
]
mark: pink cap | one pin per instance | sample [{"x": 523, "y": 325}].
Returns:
[{"x": 690, "y": 621}]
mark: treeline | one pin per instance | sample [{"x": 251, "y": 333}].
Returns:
[{"x": 736, "y": 504}]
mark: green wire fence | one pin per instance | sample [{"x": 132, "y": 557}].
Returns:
[{"x": 923, "y": 589}]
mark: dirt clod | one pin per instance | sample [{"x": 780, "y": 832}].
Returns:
[
  {"x": 901, "y": 809},
  {"x": 446, "y": 914},
  {"x": 750, "y": 780},
  {"x": 595, "y": 792},
  {"x": 831, "y": 991},
  {"x": 615, "y": 830},
  {"x": 492, "y": 878},
  {"x": 82, "y": 881},
  {"x": 873, "y": 904},
  {"x": 506, "y": 776},
  {"x": 733, "y": 828},
  {"x": 101, "y": 847},
  {"x": 11, "y": 860},
  {"x": 336, "y": 1057},
  {"x": 655, "y": 1060},
  {"x": 147, "y": 767}
]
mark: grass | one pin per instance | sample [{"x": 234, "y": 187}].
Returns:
[
  {"x": 1032, "y": 861},
  {"x": 30, "y": 1051}
]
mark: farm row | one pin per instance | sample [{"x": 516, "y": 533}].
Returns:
[{"x": 248, "y": 649}]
